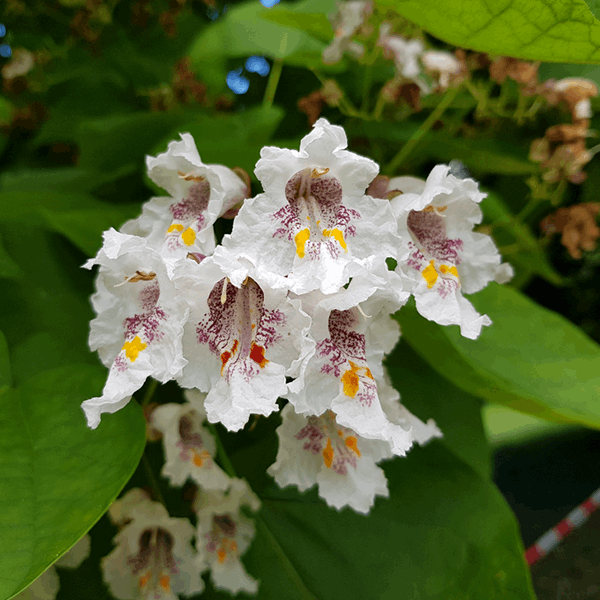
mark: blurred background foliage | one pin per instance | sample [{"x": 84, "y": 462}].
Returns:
[{"x": 111, "y": 81}]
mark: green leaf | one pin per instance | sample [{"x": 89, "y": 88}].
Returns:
[
  {"x": 5, "y": 375},
  {"x": 111, "y": 143},
  {"x": 232, "y": 140},
  {"x": 429, "y": 395},
  {"x": 444, "y": 533},
  {"x": 307, "y": 15},
  {"x": 52, "y": 297},
  {"x": 594, "y": 6},
  {"x": 549, "y": 30},
  {"x": 58, "y": 477},
  {"x": 530, "y": 359},
  {"x": 9, "y": 269},
  {"x": 528, "y": 255},
  {"x": 80, "y": 217},
  {"x": 245, "y": 30}
]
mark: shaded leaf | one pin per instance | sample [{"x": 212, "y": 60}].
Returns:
[{"x": 58, "y": 477}]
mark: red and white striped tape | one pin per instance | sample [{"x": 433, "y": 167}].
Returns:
[{"x": 572, "y": 521}]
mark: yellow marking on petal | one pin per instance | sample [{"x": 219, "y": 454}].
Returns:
[
  {"x": 175, "y": 227},
  {"x": 351, "y": 380},
  {"x": 188, "y": 236},
  {"x": 165, "y": 583},
  {"x": 233, "y": 546},
  {"x": 199, "y": 459},
  {"x": 435, "y": 209},
  {"x": 221, "y": 555},
  {"x": 144, "y": 579},
  {"x": 301, "y": 238},
  {"x": 430, "y": 275},
  {"x": 338, "y": 236},
  {"x": 133, "y": 348},
  {"x": 351, "y": 442},
  {"x": 446, "y": 269},
  {"x": 328, "y": 454}
]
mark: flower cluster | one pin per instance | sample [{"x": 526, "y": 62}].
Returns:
[
  {"x": 154, "y": 557},
  {"x": 295, "y": 303}
]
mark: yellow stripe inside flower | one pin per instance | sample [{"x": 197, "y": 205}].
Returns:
[
  {"x": 188, "y": 236},
  {"x": 337, "y": 235},
  {"x": 430, "y": 273},
  {"x": 133, "y": 348},
  {"x": 351, "y": 379},
  {"x": 301, "y": 238}
]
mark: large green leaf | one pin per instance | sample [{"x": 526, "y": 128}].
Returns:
[
  {"x": 233, "y": 140},
  {"x": 428, "y": 395},
  {"x": 78, "y": 216},
  {"x": 530, "y": 358},
  {"x": 550, "y": 30},
  {"x": 444, "y": 533},
  {"x": 58, "y": 477},
  {"x": 246, "y": 30},
  {"x": 45, "y": 314},
  {"x": 5, "y": 375},
  {"x": 528, "y": 254}
]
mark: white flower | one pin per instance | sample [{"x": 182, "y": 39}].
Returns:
[
  {"x": 153, "y": 559},
  {"x": 46, "y": 586},
  {"x": 446, "y": 258},
  {"x": 317, "y": 450},
  {"x": 189, "y": 447},
  {"x": 200, "y": 193},
  {"x": 20, "y": 64},
  {"x": 120, "y": 510},
  {"x": 405, "y": 53},
  {"x": 313, "y": 225},
  {"x": 139, "y": 322},
  {"x": 241, "y": 340},
  {"x": 353, "y": 331},
  {"x": 346, "y": 22},
  {"x": 224, "y": 534},
  {"x": 445, "y": 64}
]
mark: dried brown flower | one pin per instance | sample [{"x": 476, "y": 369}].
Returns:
[{"x": 578, "y": 227}]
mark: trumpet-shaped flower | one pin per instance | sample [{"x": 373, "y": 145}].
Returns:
[
  {"x": 224, "y": 534},
  {"x": 139, "y": 322},
  {"x": 153, "y": 558},
  {"x": 446, "y": 257},
  {"x": 199, "y": 194},
  {"x": 241, "y": 340},
  {"x": 314, "y": 225},
  {"x": 352, "y": 331},
  {"x": 189, "y": 447},
  {"x": 318, "y": 450}
]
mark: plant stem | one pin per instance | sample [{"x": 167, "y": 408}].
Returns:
[
  {"x": 425, "y": 127},
  {"x": 223, "y": 458},
  {"x": 152, "y": 479},
  {"x": 273, "y": 82},
  {"x": 149, "y": 393}
]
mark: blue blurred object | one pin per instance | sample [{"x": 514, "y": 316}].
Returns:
[
  {"x": 236, "y": 82},
  {"x": 212, "y": 13},
  {"x": 258, "y": 64},
  {"x": 269, "y": 3},
  {"x": 2, "y": 30},
  {"x": 5, "y": 51}
]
